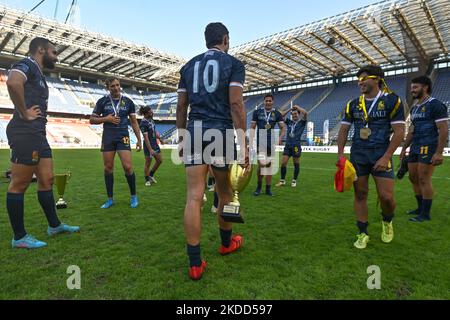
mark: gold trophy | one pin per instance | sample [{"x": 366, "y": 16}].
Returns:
[
  {"x": 239, "y": 180},
  {"x": 61, "y": 181}
]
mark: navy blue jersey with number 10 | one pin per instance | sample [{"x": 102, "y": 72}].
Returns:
[{"x": 207, "y": 79}]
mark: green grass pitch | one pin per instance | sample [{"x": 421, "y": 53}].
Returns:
[{"x": 299, "y": 245}]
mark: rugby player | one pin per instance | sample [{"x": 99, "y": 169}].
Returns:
[
  {"x": 30, "y": 152},
  {"x": 376, "y": 114},
  {"x": 293, "y": 149},
  {"x": 212, "y": 85},
  {"x": 115, "y": 111},
  {"x": 265, "y": 120},
  {"x": 427, "y": 138}
]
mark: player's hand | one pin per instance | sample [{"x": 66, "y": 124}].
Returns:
[
  {"x": 32, "y": 114},
  {"x": 382, "y": 165},
  {"x": 437, "y": 160},
  {"x": 139, "y": 146},
  {"x": 246, "y": 164},
  {"x": 112, "y": 119},
  {"x": 181, "y": 149},
  {"x": 340, "y": 156}
]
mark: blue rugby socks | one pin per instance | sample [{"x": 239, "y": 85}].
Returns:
[
  {"x": 283, "y": 173},
  {"x": 131, "y": 179},
  {"x": 14, "y": 205},
  {"x": 194, "y": 253},
  {"x": 427, "y": 204},
  {"x": 363, "y": 226},
  {"x": 109, "y": 182},
  {"x": 47, "y": 202},
  {"x": 296, "y": 171}
]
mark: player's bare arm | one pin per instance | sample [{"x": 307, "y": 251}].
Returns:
[
  {"x": 303, "y": 112},
  {"x": 137, "y": 132},
  {"x": 407, "y": 144},
  {"x": 342, "y": 139},
  {"x": 239, "y": 117},
  {"x": 182, "y": 108},
  {"x": 96, "y": 119},
  {"x": 147, "y": 143},
  {"x": 397, "y": 139},
  {"x": 283, "y": 128},
  {"x": 438, "y": 158},
  {"x": 15, "y": 84}
]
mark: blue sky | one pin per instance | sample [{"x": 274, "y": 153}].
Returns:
[{"x": 177, "y": 26}]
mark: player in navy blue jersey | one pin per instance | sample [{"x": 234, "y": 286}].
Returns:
[
  {"x": 151, "y": 147},
  {"x": 30, "y": 151},
  {"x": 427, "y": 138},
  {"x": 212, "y": 85},
  {"x": 265, "y": 120},
  {"x": 376, "y": 114},
  {"x": 293, "y": 149},
  {"x": 115, "y": 111}
]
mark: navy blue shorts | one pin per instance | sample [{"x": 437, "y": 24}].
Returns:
[
  {"x": 293, "y": 151},
  {"x": 115, "y": 142},
  {"x": 156, "y": 149},
  {"x": 422, "y": 154},
  {"x": 365, "y": 159},
  {"x": 220, "y": 155},
  {"x": 29, "y": 149}
]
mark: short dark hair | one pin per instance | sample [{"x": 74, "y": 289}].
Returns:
[
  {"x": 144, "y": 110},
  {"x": 424, "y": 80},
  {"x": 269, "y": 95},
  {"x": 371, "y": 70},
  {"x": 214, "y": 34},
  {"x": 110, "y": 80},
  {"x": 39, "y": 42}
]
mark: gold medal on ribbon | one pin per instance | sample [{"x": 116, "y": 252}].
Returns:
[
  {"x": 365, "y": 133},
  {"x": 268, "y": 126}
]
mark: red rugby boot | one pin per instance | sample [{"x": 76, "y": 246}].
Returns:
[
  {"x": 236, "y": 243},
  {"x": 196, "y": 273}
]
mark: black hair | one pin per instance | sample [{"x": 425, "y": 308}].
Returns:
[
  {"x": 424, "y": 80},
  {"x": 110, "y": 80},
  {"x": 372, "y": 70},
  {"x": 269, "y": 95},
  {"x": 39, "y": 42},
  {"x": 214, "y": 34},
  {"x": 144, "y": 110}
]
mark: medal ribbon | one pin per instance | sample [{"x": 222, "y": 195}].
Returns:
[
  {"x": 362, "y": 103},
  {"x": 268, "y": 117},
  {"x": 116, "y": 107},
  {"x": 294, "y": 127}
]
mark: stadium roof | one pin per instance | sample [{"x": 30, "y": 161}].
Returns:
[
  {"x": 387, "y": 33},
  {"x": 88, "y": 51}
]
